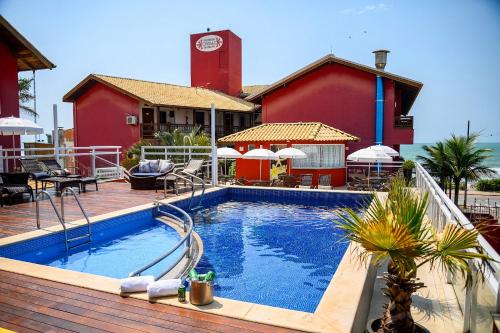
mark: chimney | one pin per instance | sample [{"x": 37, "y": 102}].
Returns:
[{"x": 381, "y": 58}]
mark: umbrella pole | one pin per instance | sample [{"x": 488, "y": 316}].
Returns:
[
  {"x": 369, "y": 165},
  {"x": 13, "y": 151}
]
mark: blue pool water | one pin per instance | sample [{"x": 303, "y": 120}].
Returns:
[
  {"x": 272, "y": 247},
  {"x": 282, "y": 255},
  {"x": 114, "y": 252}
]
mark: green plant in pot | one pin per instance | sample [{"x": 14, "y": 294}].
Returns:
[
  {"x": 408, "y": 166},
  {"x": 396, "y": 231}
]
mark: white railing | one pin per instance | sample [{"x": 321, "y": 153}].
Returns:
[
  {"x": 442, "y": 210},
  {"x": 180, "y": 154},
  {"x": 9, "y": 157}
]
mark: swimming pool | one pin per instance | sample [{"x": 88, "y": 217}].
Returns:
[
  {"x": 119, "y": 246},
  {"x": 271, "y": 247}
]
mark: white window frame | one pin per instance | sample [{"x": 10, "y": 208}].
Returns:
[{"x": 342, "y": 165}]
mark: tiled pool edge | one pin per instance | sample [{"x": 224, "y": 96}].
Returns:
[{"x": 334, "y": 314}]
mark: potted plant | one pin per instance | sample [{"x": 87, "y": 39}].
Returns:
[
  {"x": 408, "y": 166},
  {"x": 394, "y": 231}
]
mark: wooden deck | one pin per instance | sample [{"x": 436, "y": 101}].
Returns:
[
  {"x": 28, "y": 304},
  {"x": 19, "y": 218},
  {"x": 35, "y": 305}
]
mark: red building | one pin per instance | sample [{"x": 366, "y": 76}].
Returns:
[
  {"x": 342, "y": 94},
  {"x": 17, "y": 54},
  {"x": 367, "y": 102},
  {"x": 325, "y": 147},
  {"x": 136, "y": 109}
]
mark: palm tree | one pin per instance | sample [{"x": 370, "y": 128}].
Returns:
[
  {"x": 395, "y": 232},
  {"x": 465, "y": 160},
  {"x": 436, "y": 162},
  {"x": 25, "y": 96}
]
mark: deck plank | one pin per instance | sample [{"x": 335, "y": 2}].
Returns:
[{"x": 29, "y": 304}]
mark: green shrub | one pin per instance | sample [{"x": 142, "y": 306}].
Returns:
[
  {"x": 488, "y": 184},
  {"x": 408, "y": 165}
]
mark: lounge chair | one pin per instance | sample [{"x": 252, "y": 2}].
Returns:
[
  {"x": 144, "y": 175},
  {"x": 35, "y": 169},
  {"x": 55, "y": 169},
  {"x": 325, "y": 182},
  {"x": 305, "y": 181},
  {"x": 11, "y": 190}
]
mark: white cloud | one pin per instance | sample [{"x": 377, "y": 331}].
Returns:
[{"x": 364, "y": 10}]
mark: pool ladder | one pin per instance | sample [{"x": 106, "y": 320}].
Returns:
[
  {"x": 186, "y": 177},
  {"x": 60, "y": 217}
]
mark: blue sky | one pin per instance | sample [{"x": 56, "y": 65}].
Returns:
[{"x": 453, "y": 47}]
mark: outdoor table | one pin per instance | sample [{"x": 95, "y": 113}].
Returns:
[
  {"x": 60, "y": 183},
  {"x": 84, "y": 181}
]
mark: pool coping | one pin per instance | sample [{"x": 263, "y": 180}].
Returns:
[{"x": 338, "y": 311}]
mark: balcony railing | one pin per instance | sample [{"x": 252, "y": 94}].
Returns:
[
  {"x": 403, "y": 122},
  {"x": 148, "y": 130}
]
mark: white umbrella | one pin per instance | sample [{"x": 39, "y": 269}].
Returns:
[
  {"x": 290, "y": 153},
  {"x": 18, "y": 126},
  {"x": 369, "y": 156},
  {"x": 386, "y": 149},
  {"x": 260, "y": 154},
  {"x": 225, "y": 153}
]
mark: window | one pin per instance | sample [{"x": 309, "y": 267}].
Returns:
[
  {"x": 320, "y": 157},
  {"x": 163, "y": 117},
  {"x": 251, "y": 147}
]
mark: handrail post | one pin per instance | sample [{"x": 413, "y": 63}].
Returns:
[
  {"x": 118, "y": 169},
  {"x": 143, "y": 152},
  {"x": 93, "y": 162}
]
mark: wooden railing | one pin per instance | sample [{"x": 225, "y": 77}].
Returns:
[
  {"x": 148, "y": 130},
  {"x": 403, "y": 122}
]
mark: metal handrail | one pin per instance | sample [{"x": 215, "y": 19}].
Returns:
[
  {"x": 70, "y": 190},
  {"x": 59, "y": 217},
  {"x": 185, "y": 240},
  {"x": 186, "y": 179}
]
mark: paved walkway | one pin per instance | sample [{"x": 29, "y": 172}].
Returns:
[{"x": 434, "y": 306}]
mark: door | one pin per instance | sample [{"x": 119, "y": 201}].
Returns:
[{"x": 148, "y": 119}]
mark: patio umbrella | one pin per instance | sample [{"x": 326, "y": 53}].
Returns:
[
  {"x": 18, "y": 126},
  {"x": 292, "y": 153},
  {"x": 225, "y": 153},
  {"x": 260, "y": 154},
  {"x": 386, "y": 149},
  {"x": 367, "y": 155}
]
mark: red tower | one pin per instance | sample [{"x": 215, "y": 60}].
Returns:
[{"x": 216, "y": 61}]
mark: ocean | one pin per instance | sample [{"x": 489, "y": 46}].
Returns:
[{"x": 410, "y": 152}]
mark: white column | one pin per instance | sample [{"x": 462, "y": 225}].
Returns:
[
  {"x": 55, "y": 134},
  {"x": 215, "y": 180}
]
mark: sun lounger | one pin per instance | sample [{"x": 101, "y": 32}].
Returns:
[
  {"x": 11, "y": 190},
  {"x": 305, "y": 181},
  {"x": 55, "y": 169},
  {"x": 35, "y": 169},
  {"x": 325, "y": 182}
]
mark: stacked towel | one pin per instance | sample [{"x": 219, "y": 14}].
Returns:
[
  {"x": 135, "y": 284},
  {"x": 163, "y": 288}
]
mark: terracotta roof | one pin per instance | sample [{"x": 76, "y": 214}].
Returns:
[
  {"x": 415, "y": 86},
  {"x": 27, "y": 56},
  {"x": 289, "y": 131},
  {"x": 163, "y": 94},
  {"x": 253, "y": 89}
]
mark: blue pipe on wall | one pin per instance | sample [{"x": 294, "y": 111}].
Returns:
[{"x": 379, "y": 112}]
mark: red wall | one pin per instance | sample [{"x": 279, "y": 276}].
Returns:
[
  {"x": 99, "y": 118},
  {"x": 218, "y": 69},
  {"x": 339, "y": 96},
  {"x": 249, "y": 169},
  {"x": 9, "y": 95}
]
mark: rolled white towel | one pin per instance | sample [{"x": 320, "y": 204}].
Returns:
[
  {"x": 163, "y": 288},
  {"x": 135, "y": 283}
]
